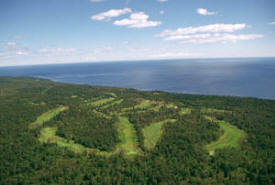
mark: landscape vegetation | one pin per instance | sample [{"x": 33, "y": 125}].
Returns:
[{"x": 57, "y": 133}]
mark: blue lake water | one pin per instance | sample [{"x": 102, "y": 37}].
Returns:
[{"x": 249, "y": 77}]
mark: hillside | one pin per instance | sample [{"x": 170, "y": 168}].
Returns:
[{"x": 57, "y": 133}]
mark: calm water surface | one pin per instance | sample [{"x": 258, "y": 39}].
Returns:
[{"x": 235, "y": 77}]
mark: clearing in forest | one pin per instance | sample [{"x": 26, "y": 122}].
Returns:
[
  {"x": 153, "y": 132},
  {"x": 231, "y": 138},
  {"x": 47, "y": 116}
]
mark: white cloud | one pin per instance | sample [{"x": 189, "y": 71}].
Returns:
[
  {"x": 96, "y": 1},
  {"x": 110, "y": 14},
  {"x": 212, "y": 28},
  {"x": 56, "y": 51},
  {"x": 209, "y": 34},
  {"x": 11, "y": 43},
  {"x": 193, "y": 36},
  {"x": 162, "y": 1},
  {"x": 137, "y": 20},
  {"x": 161, "y": 12},
  {"x": 203, "y": 11},
  {"x": 22, "y": 52},
  {"x": 223, "y": 38},
  {"x": 272, "y": 23}
]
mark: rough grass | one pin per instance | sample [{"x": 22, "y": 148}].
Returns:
[
  {"x": 127, "y": 136},
  {"x": 47, "y": 116},
  {"x": 231, "y": 138},
  {"x": 153, "y": 132}
]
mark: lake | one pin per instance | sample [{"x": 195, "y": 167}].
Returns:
[{"x": 245, "y": 77}]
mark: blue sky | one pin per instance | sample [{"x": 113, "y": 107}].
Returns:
[{"x": 66, "y": 31}]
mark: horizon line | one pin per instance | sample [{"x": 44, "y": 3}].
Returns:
[{"x": 141, "y": 60}]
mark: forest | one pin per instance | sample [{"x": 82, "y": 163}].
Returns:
[{"x": 60, "y": 133}]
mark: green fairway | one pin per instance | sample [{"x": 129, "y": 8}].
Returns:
[
  {"x": 47, "y": 116},
  {"x": 101, "y": 101},
  {"x": 48, "y": 135},
  {"x": 211, "y": 110},
  {"x": 127, "y": 136},
  {"x": 116, "y": 102},
  {"x": 152, "y": 133},
  {"x": 156, "y": 107},
  {"x": 171, "y": 106},
  {"x": 231, "y": 137},
  {"x": 146, "y": 104},
  {"x": 185, "y": 111},
  {"x": 143, "y": 104},
  {"x": 101, "y": 114}
]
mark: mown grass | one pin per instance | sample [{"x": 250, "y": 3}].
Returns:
[
  {"x": 47, "y": 116},
  {"x": 153, "y": 132},
  {"x": 128, "y": 139},
  {"x": 231, "y": 138}
]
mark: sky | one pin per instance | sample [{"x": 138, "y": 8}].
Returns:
[{"x": 76, "y": 31}]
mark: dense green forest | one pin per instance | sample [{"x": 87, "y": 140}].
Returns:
[{"x": 57, "y": 133}]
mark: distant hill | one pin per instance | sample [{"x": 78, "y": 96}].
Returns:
[{"x": 58, "y": 133}]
